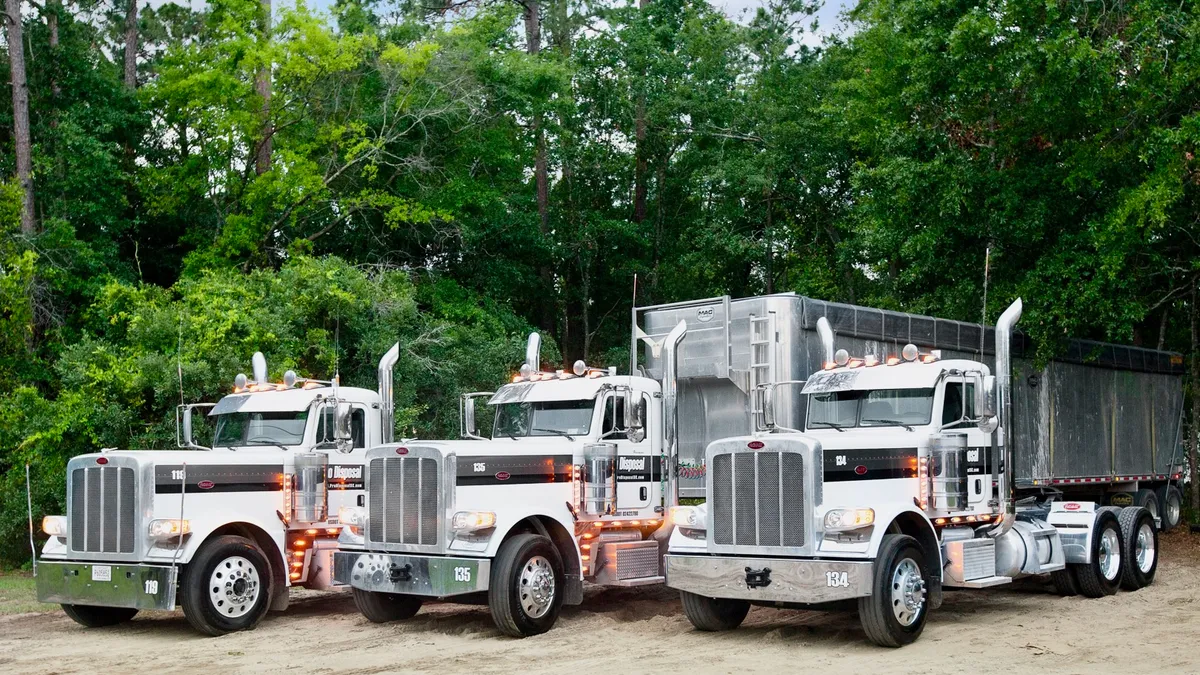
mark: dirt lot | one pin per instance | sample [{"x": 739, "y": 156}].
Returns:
[{"x": 1020, "y": 629}]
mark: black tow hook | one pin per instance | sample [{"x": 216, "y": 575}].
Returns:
[
  {"x": 397, "y": 574},
  {"x": 758, "y": 578}
]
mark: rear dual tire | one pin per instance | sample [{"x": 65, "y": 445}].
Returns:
[
  {"x": 1170, "y": 502},
  {"x": 1140, "y": 552},
  {"x": 1102, "y": 576}
]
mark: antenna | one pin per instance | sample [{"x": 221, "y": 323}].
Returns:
[{"x": 987, "y": 263}]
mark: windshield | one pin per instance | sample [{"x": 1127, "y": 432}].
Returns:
[
  {"x": 875, "y": 408},
  {"x": 544, "y": 418},
  {"x": 260, "y": 428}
]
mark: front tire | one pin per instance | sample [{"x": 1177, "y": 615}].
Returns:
[
  {"x": 714, "y": 614},
  {"x": 1102, "y": 576},
  {"x": 1141, "y": 548},
  {"x": 98, "y": 617},
  {"x": 385, "y": 607},
  {"x": 894, "y": 614},
  {"x": 227, "y": 586},
  {"x": 526, "y": 587}
]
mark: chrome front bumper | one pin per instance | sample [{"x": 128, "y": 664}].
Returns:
[
  {"x": 129, "y": 585},
  {"x": 431, "y": 576},
  {"x": 769, "y": 579}
]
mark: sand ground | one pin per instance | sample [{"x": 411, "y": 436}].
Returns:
[{"x": 1018, "y": 629}]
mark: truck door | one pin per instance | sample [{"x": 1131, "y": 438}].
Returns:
[
  {"x": 345, "y": 474},
  {"x": 958, "y": 414},
  {"x": 636, "y": 466}
]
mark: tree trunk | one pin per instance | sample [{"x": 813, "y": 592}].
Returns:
[
  {"x": 1195, "y": 454},
  {"x": 533, "y": 45},
  {"x": 262, "y": 87},
  {"x": 640, "y": 151},
  {"x": 20, "y": 90},
  {"x": 131, "y": 45}
]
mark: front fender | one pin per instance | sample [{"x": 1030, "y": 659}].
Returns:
[{"x": 203, "y": 529}]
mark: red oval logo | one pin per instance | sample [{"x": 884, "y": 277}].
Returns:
[
  {"x": 206, "y": 485},
  {"x": 860, "y": 470},
  {"x": 1071, "y": 506},
  {"x": 756, "y": 445},
  {"x": 502, "y": 475},
  {"x": 401, "y": 451},
  {"x": 102, "y": 460}
]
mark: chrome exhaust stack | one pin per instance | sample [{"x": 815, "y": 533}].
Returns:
[
  {"x": 533, "y": 352},
  {"x": 260, "y": 367},
  {"x": 670, "y": 392},
  {"x": 826, "y": 333},
  {"x": 386, "y": 395},
  {"x": 1007, "y": 495}
]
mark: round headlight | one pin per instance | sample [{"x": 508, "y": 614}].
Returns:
[
  {"x": 841, "y": 357},
  {"x": 909, "y": 352}
]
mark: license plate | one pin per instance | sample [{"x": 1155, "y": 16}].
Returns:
[{"x": 101, "y": 572}]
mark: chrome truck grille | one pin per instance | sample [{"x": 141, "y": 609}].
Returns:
[
  {"x": 761, "y": 498},
  {"x": 103, "y": 512},
  {"x": 406, "y": 501}
]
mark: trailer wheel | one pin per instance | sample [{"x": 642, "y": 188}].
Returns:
[
  {"x": 1170, "y": 503},
  {"x": 714, "y": 614},
  {"x": 1102, "y": 576},
  {"x": 894, "y": 614},
  {"x": 526, "y": 589},
  {"x": 1141, "y": 548},
  {"x": 1149, "y": 500},
  {"x": 98, "y": 617},
  {"x": 380, "y": 607},
  {"x": 1064, "y": 582},
  {"x": 227, "y": 586}
]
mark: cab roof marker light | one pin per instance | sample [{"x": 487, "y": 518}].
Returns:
[
  {"x": 870, "y": 360},
  {"x": 893, "y": 360}
]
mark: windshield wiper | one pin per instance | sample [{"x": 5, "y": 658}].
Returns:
[
  {"x": 278, "y": 445},
  {"x": 829, "y": 424},
  {"x": 558, "y": 432},
  {"x": 896, "y": 422}
]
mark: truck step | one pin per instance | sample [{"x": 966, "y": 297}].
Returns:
[
  {"x": 643, "y": 581},
  {"x": 987, "y": 582}
]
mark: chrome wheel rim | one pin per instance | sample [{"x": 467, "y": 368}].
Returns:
[
  {"x": 234, "y": 587},
  {"x": 1172, "y": 511},
  {"x": 537, "y": 587},
  {"x": 908, "y": 592},
  {"x": 1145, "y": 551},
  {"x": 1110, "y": 554}
]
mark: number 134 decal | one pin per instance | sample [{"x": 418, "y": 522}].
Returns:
[{"x": 837, "y": 579}]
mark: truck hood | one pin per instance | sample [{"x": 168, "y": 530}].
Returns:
[
  {"x": 860, "y": 439},
  {"x": 254, "y": 455}
]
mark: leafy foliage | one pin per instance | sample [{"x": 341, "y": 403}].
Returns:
[{"x": 1054, "y": 144}]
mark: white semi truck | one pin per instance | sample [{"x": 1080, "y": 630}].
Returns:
[
  {"x": 568, "y": 488},
  {"x": 222, "y": 530},
  {"x": 899, "y": 473}
]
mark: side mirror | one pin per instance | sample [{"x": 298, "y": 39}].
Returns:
[
  {"x": 342, "y": 433},
  {"x": 985, "y": 396},
  {"x": 184, "y": 430},
  {"x": 468, "y": 418},
  {"x": 468, "y": 427},
  {"x": 768, "y": 407},
  {"x": 635, "y": 411},
  {"x": 187, "y": 427}
]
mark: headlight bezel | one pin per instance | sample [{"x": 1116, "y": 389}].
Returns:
[
  {"x": 472, "y": 522},
  {"x": 164, "y": 529},
  {"x": 848, "y": 519}
]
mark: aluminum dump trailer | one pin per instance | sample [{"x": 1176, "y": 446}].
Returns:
[{"x": 1100, "y": 419}]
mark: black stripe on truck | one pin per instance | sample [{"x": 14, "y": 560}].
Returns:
[
  {"x": 202, "y": 478},
  {"x": 513, "y": 469},
  {"x": 870, "y": 464}
]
